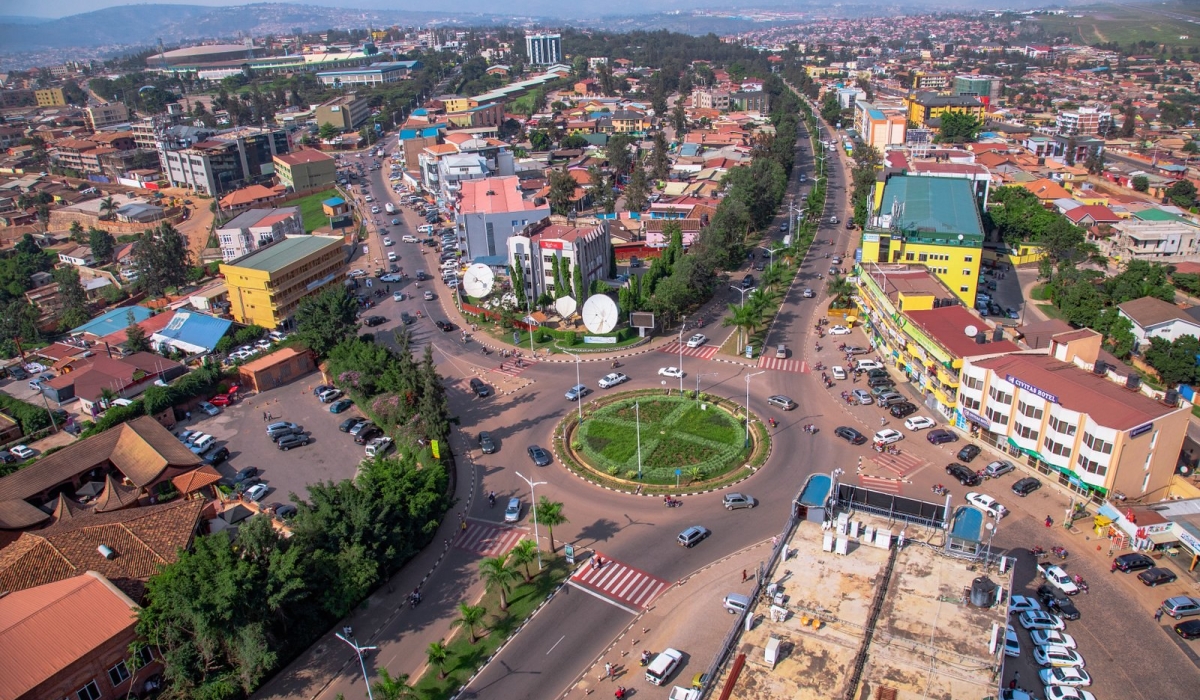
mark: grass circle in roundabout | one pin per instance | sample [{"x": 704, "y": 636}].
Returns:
[{"x": 701, "y": 439}]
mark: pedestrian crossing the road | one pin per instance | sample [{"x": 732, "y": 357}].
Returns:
[
  {"x": 901, "y": 465},
  {"x": 774, "y": 363},
  {"x": 704, "y": 352},
  {"x": 619, "y": 583},
  {"x": 512, "y": 369},
  {"x": 488, "y": 540},
  {"x": 879, "y": 483}
]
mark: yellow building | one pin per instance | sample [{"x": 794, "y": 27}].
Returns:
[
  {"x": 266, "y": 286},
  {"x": 923, "y": 106},
  {"x": 930, "y": 221},
  {"x": 50, "y": 97},
  {"x": 457, "y": 104}
]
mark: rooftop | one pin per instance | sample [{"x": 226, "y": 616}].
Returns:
[
  {"x": 306, "y": 155},
  {"x": 1151, "y": 311},
  {"x": 947, "y": 325},
  {"x": 112, "y": 321},
  {"x": 937, "y": 205},
  {"x": 289, "y": 251},
  {"x": 376, "y": 68},
  {"x": 255, "y": 217},
  {"x": 493, "y": 195}
]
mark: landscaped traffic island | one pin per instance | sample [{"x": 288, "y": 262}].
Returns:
[{"x": 649, "y": 442}]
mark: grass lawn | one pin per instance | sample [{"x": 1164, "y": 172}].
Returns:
[
  {"x": 464, "y": 657},
  {"x": 1104, "y": 23},
  {"x": 1039, "y": 293},
  {"x": 1052, "y": 311},
  {"x": 311, "y": 211}
]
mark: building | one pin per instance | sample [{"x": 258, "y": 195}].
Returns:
[
  {"x": 126, "y": 376},
  {"x": 462, "y": 157},
  {"x": 987, "y": 88},
  {"x": 583, "y": 244},
  {"x": 345, "y": 112},
  {"x": 50, "y": 97},
  {"x": 413, "y": 141},
  {"x": 1059, "y": 411},
  {"x": 276, "y": 369},
  {"x": 880, "y": 127},
  {"x": 72, "y": 639},
  {"x": 374, "y": 74},
  {"x": 922, "y": 80},
  {"x": 1161, "y": 241},
  {"x": 930, "y": 221},
  {"x": 265, "y": 287},
  {"x": 1154, "y": 318},
  {"x": 477, "y": 115},
  {"x": 190, "y": 333},
  {"x": 488, "y": 212},
  {"x": 711, "y": 99},
  {"x": 200, "y": 54},
  {"x": 306, "y": 169},
  {"x": 258, "y": 228},
  {"x": 225, "y": 161},
  {"x": 543, "y": 49},
  {"x": 1084, "y": 121},
  {"x": 104, "y": 115},
  {"x": 923, "y": 106}
]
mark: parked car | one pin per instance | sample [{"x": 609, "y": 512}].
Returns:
[
  {"x": 209, "y": 408},
  {"x": 1188, "y": 630},
  {"x": 245, "y": 474},
  {"x": 1058, "y": 604},
  {"x": 902, "y": 409},
  {"x": 372, "y": 321},
  {"x": 256, "y": 492},
  {"x": 1064, "y": 675},
  {"x": 998, "y": 468},
  {"x": 22, "y": 452},
  {"x": 968, "y": 453},
  {"x": 1026, "y": 486},
  {"x": 850, "y": 435},
  {"x": 349, "y": 423},
  {"x": 1057, "y": 656},
  {"x": 918, "y": 422},
  {"x": 1056, "y": 637},
  {"x": 1133, "y": 561},
  {"x": 1012, "y": 644},
  {"x": 940, "y": 436},
  {"x": 987, "y": 504},
  {"x": 539, "y": 456},
  {"x": 1181, "y": 606},
  {"x": 1155, "y": 576},
  {"x": 217, "y": 456},
  {"x": 368, "y": 434},
  {"x": 965, "y": 476},
  {"x": 887, "y": 436},
  {"x": 287, "y": 442},
  {"x": 330, "y": 395},
  {"x": 1038, "y": 620},
  {"x": 1022, "y": 603},
  {"x": 862, "y": 397},
  {"x": 839, "y": 330}
]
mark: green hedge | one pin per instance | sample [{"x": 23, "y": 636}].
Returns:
[
  {"x": 156, "y": 399},
  {"x": 30, "y": 417}
]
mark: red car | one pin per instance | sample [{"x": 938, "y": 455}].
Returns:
[{"x": 221, "y": 400}]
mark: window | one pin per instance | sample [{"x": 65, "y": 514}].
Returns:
[
  {"x": 968, "y": 258},
  {"x": 1000, "y": 396},
  {"x": 1097, "y": 444},
  {"x": 88, "y": 692},
  {"x": 964, "y": 288},
  {"x": 491, "y": 239},
  {"x": 1062, "y": 426},
  {"x": 143, "y": 657},
  {"x": 997, "y": 417},
  {"x": 117, "y": 674},
  {"x": 1091, "y": 466},
  {"x": 966, "y": 273},
  {"x": 1027, "y": 432},
  {"x": 1057, "y": 448},
  {"x": 1029, "y": 411},
  {"x": 909, "y": 257},
  {"x": 970, "y": 403},
  {"x": 922, "y": 257},
  {"x": 974, "y": 382}
]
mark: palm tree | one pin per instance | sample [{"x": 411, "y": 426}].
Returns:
[
  {"x": 436, "y": 654},
  {"x": 744, "y": 318},
  {"x": 840, "y": 290},
  {"x": 549, "y": 513},
  {"x": 469, "y": 616},
  {"x": 388, "y": 688},
  {"x": 107, "y": 396},
  {"x": 108, "y": 207},
  {"x": 497, "y": 574},
  {"x": 524, "y": 554}
]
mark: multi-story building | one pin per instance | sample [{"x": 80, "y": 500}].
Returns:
[
  {"x": 49, "y": 97},
  {"x": 374, "y": 74},
  {"x": 583, "y": 244},
  {"x": 711, "y": 99},
  {"x": 462, "y": 157},
  {"x": 266, "y": 286},
  {"x": 223, "y": 161},
  {"x": 305, "y": 169},
  {"x": 930, "y": 221},
  {"x": 104, "y": 115},
  {"x": 1084, "y": 121},
  {"x": 923, "y": 106},
  {"x": 922, "y": 80},
  {"x": 345, "y": 112},
  {"x": 1162, "y": 241},
  {"x": 488, "y": 212},
  {"x": 79, "y": 155},
  {"x": 543, "y": 49},
  {"x": 878, "y": 126},
  {"x": 987, "y": 88},
  {"x": 258, "y": 228},
  {"x": 415, "y": 139},
  {"x": 751, "y": 101},
  {"x": 1059, "y": 410}
]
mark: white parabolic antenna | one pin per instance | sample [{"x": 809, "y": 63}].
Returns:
[
  {"x": 971, "y": 331},
  {"x": 599, "y": 314},
  {"x": 565, "y": 306},
  {"x": 478, "y": 280}
]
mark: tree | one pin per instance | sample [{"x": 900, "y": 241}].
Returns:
[
  {"x": 831, "y": 109},
  {"x": 617, "y": 152},
  {"x": 840, "y": 289},
  {"x": 539, "y": 140},
  {"x": 72, "y": 297},
  {"x": 562, "y": 191},
  {"x": 1191, "y": 148},
  {"x": 498, "y": 575},
  {"x": 636, "y": 192},
  {"x": 135, "y": 335},
  {"x": 76, "y": 231},
  {"x": 437, "y": 653},
  {"x": 1140, "y": 183},
  {"x": 679, "y": 119},
  {"x": 1174, "y": 361},
  {"x": 389, "y": 688},
  {"x": 108, "y": 208},
  {"x": 524, "y": 554},
  {"x": 577, "y": 284},
  {"x": 550, "y": 513},
  {"x": 161, "y": 258},
  {"x": 660, "y": 162},
  {"x": 469, "y": 616},
  {"x": 102, "y": 244},
  {"x": 745, "y": 319},
  {"x": 1182, "y": 194},
  {"x": 327, "y": 132},
  {"x": 959, "y": 127},
  {"x": 1128, "y": 122},
  {"x": 324, "y": 320}
]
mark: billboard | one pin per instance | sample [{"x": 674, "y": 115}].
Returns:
[{"x": 641, "y": 319}]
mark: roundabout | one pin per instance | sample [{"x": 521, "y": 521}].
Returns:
[{"x": 648, "y": 442}]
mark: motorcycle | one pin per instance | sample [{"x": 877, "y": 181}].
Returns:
[
  {"x": 615, "y": 364},
  {"x": 1060, "y": 552},
  {"x": 893, "y": 450},
  {"x": 819, "y": 366},
  {"x": 645, "y": 660},
  {"x": 672, "y": 502},
  {"x": 940, "y": 490},
  {"x": 414, "y": 599},
  {"x": 1037, "y": 552},
  {"x": 772, "y": 422}
]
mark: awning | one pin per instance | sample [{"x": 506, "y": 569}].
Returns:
[{"x": 1162, "y": 537}]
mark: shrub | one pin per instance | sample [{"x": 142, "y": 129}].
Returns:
[{"x": 30, "y": 417}]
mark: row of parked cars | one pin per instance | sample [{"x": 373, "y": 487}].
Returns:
[{"x": 1042, "y": 616}]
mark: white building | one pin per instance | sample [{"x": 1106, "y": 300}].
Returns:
[
  {"x": 543, "y": 49},
  {"x": 1084, "y": 121},
  {"x": 258, "y": 228},
  {"x": 583, "y": 243},
  {"x": 1154, "y": 318},
  {"x": 488, "y": 212}
]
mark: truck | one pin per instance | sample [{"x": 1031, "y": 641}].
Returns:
[
  {"x": 1057, "y": 577},
  {"x": 680, "y": 693},
  {"x": 390, "y": 208}
]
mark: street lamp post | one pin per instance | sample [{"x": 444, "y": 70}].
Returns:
[
  {"x": 533, "y": 506},
  {"x": 681, "y": 324},
  {"x": 579, "y": 398},
  {"x": 698, "y": 375},
  {"x": 746, "y": 444},
  {"x": 637, "y": 417},
  {"x": 770, "y": 251},
  {"x": 347, "y": 636},
  {"x": 741, "y": 291}
]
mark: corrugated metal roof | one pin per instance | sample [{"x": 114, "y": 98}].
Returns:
[
  {"x": 112, "y": 321},
  {"x": 936, "y": 204},
  {"x": 195, "y": 329},
  {"x": 286, "y": 252}
]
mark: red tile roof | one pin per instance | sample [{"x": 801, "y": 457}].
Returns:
[
  {"x": 947, "y": 326},
  {"x": 307, "y": 155}
]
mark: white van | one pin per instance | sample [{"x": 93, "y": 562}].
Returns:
[
  {"x": 663, "y": 665},
  {"x": 390, "y": 208},
  {"x": 867, "y": 365},
  {"x": 204, "y": 444},
  {"x": 426, "y": 229},
  {"x": 736, "y": 603}
]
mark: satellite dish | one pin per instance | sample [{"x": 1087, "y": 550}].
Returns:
[
  {"x": 599, "y": 314},
  {"x": 565, "y": 306},
  {"x": 478, "y": 280},
  {"x": 971, "y": 331}
]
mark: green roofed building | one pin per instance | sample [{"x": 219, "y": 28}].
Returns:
[{"x": 266, "y": 286}]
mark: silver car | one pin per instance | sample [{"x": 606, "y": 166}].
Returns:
[
  {"x": 861, "y": 396},
  {"x": 738, "y": 500}
]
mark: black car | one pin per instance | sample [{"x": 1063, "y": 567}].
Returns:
[
  {"x": 481, "y": 390},
  {"x": 321, "y": 388},
  {"x": 850, "y": 435},
  {"x": 1189, "y": 629},
  {"x": 539, "y": 456},
  {"x": 1026, "y": 486},
  {"x": 1059, "y": 605},
  {"x": 444, "y": 326},
  {"x": 873, "y": 373},
  {"x": 288, "y": 442},
  {"x": 349, "y": 423},
  {"x": 903, "y": 410},
  {"x": 880, "y": 381},
  {"x": 18, "y": 373},
  {"x": 283, "y": 510},
  {"x": 1156, "y": 576},
  {"x": 7, "y": 457},
  {"x": 368, "y": 434},
  {"x": 965, "y": 476},
  {"x": 747, "y": 281},
  {"x": 486, "y": 444},
  {"x": 1133, "y": 561},
  {"x": 217, "y": 456},
  {"x": 968, "y": 453},
  {"x": 372, "y": 321},
  {"x": 940, "y": 436},
  {"x": 405, "y": 318},
  {"x": 245, "y": 474}
]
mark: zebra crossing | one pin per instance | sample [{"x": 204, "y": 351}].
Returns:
[
  {"x": 704, "y": 352},
  {"x": 618, "y": 583},
  {"x": 488, "y": 540},
  {"x": 901, "y": 465},
  {"x": 781, "y": 365},
  {"x": 880, "y": 483},
  {"x": 512, "y": 369}
]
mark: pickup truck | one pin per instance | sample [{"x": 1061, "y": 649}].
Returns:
[
  {"x": 679, "y": 693},
  {"x": 1055, "y": 576}
]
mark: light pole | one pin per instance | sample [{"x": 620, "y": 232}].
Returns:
[
  {"x": 533, "y": 506},
  {"x": 770, "y": 251},
  {"x": 637, "y": 417},
  {"x": 747, "y": 443},
  {"x": 704, "y": 374},
  {"x": 681, "y": 324},
  {"x": 579, "y": 398},
  {"x": 741, "y": 291},
  {"x": 347, "y": 636}
]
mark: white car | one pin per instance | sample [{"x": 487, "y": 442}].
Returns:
[
  {"x": 256, "y": 492},
  {"x": 357, "y": 273},
  {"x": 408, "y": 239},
  {"x": 697, "y": 340},
  {"x": 1038, "y": 620},
  {"x": 919, "y": 423},
  {"x": 387, "y": 242},
  {"x": 329, "y": 395},
  {"x": 987, "y": 504},
  {"x": 611, "y": 380},
  {"x": 21, "y": 452},
  {"x": 1012, "y": 645},
  {"x": 1064, "y": 675},
  {"x": 391, "y": 277},
  {"x": 1048, "y": 637},
  {"x": 1066, "y": 692},
  {"x": 1057, "y": 656},
  {"x": 512, "y": 513},
  {"x": 1023, "y": 603},
  {"x": 209, "y": 408},
  {"x": 839, "y": 330},
  {"x": 674, "y": 372},
  {"x": 808, "y": 293},
  {"x": 397, "y": 296},
  {"x": 887, "y": 436}
]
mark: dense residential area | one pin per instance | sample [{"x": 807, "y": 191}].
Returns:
[{"x": 339, "y": 363}]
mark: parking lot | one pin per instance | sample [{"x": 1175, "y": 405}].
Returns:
[{"x": 329, "y": 456}]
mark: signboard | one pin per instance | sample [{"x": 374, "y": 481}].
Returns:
[
  {"x": 600, "y": 339},
  {"x": 433, "y": 445},
  {"x": 569, "y": 550},
  {"x": 551, "y": 245},
  {"x": 641, "y": 319},
  {"x": 977, "y": 419},
  {"x": 1025, "y": 386},
  {"x": 870, "y": 238},
  {"x": 1141, "y": 430}
]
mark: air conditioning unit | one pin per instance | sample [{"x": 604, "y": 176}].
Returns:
[
  {"x": 1133, "y": 382},
  {"x": 1099, "y": 368}
]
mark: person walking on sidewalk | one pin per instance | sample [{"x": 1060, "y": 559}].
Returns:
[
  {"x": 608, "y": 670},
  {"x": 1158, "y": 615}
]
